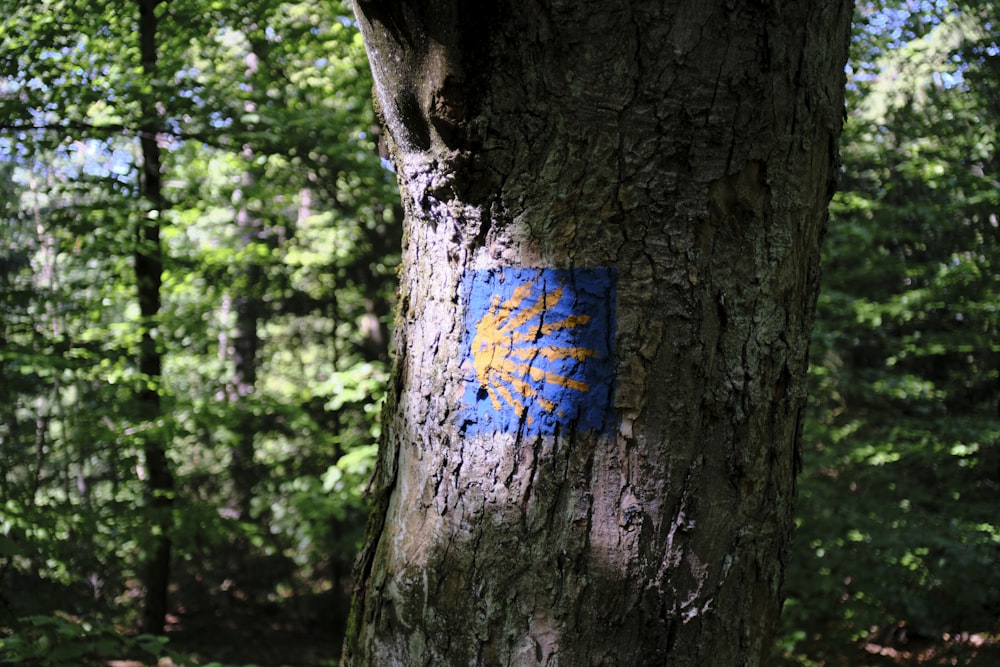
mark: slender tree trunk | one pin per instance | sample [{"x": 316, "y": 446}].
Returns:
[
  {"x": 248, "y": 306},
  {"x": 248, "y": 300},
  {"x": 613, "y": 222},
  {"x": 148, "y": 273}
]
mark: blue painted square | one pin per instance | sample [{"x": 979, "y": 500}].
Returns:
[{"x": 540, "y": 345}]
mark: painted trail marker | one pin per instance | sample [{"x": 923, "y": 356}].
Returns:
[{"x": 540, "y": 342}]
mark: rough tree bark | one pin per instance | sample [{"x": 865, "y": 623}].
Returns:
[{"x": 661, "y": 169}]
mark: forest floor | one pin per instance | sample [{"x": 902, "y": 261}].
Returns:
[
  {"x": 228, "y": 629},
  {"x": 301, "y": 631},
  {"x": 239, "y": 629},
  {"x": 296, "y": 637},
  {"x": 960, "y": 650}
]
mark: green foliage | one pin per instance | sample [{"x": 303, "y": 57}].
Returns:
[
  {"x": 281, "y": 240},
  {"x": 898, "y": 530},
  {"x": 280, "y": 234},
  {"x": 60, "y": 640}
]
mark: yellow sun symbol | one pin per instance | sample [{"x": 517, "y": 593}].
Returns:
[{"x": 503, "y": 354}]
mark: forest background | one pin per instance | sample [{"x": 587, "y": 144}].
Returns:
[{"x": 198, "y": 246}]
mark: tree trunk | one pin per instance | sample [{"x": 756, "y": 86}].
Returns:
[
  {"x": 249, "y": 309},
  {"x": 613, "y": 222},
  {"x": 246, "y": 344},
  {"x": 149, "y": 276}
]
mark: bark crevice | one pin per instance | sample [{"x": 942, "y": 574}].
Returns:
[{"x": 569, "y": 136}]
